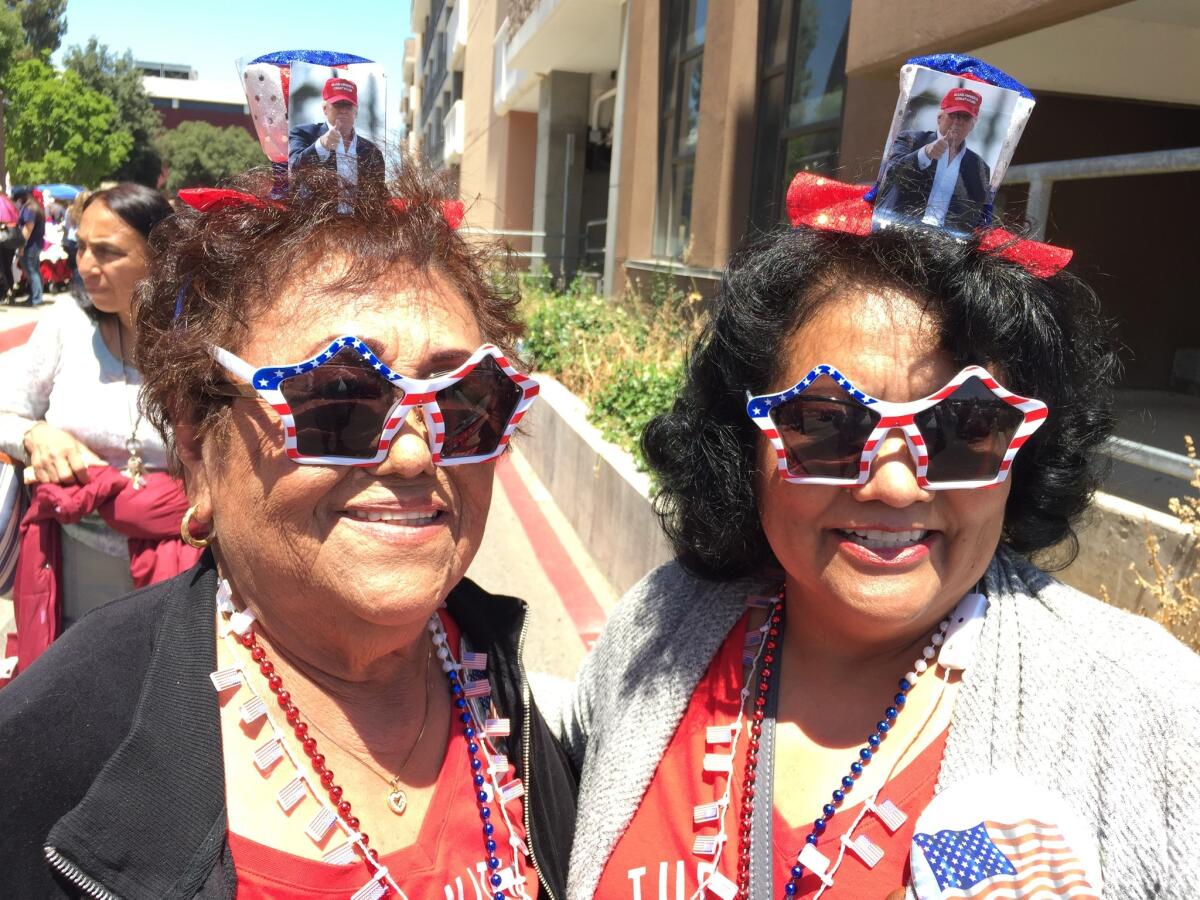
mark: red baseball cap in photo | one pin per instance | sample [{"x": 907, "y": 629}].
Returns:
[
  {"x": 340, "y": 89},
  {"x": 962, "y": 100}
]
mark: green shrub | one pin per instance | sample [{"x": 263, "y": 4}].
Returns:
[{"x": 635, "y": 393}]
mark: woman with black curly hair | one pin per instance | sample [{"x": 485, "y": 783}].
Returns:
[{"x": 852, "y": 679}]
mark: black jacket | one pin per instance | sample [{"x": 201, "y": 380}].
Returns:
[
  {"x": 302, "y": 140},
  {"x": 904, "y": 190},
  {"x": 111, "y": 774}
]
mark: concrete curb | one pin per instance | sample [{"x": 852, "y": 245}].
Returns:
[{"x": 596, "y": 486}]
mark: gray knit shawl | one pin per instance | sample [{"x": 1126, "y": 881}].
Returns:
[{"x": 1098, "y": 705}]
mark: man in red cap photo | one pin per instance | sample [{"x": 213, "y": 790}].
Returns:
[
  {"x": 932, "y": 177},
  {"x": 334, "y": 143}
]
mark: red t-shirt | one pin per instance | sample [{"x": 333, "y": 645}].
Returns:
[
  {"x": 448, "y": 858},
  {"x": 653, "y": 859}
]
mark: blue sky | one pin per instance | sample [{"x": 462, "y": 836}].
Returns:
[{"x": 209, "y": 35}]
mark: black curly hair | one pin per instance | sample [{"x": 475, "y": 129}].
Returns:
[{"x": 1046, "y": 335}]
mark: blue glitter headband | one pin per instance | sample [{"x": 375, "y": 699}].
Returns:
[
  {"x": 316, "y": 57},
  {"x": 961, "y": 64}
]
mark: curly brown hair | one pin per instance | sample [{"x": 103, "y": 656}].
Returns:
[{"x": 213, "y": 274}]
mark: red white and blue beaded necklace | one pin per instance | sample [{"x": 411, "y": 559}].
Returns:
[
  {"x": 762, "y": 665},
  {"x": 468, "y": 696}
]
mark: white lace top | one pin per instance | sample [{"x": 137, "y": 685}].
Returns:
[{"x": 66, "y": 375}]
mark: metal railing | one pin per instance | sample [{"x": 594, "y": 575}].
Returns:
[{"x": 1041, "y": 176}]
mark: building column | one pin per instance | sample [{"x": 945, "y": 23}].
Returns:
[{"x": 558, "y": 174}]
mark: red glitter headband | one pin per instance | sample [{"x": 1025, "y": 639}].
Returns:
[
  {"x": 828, "y": 205},
  {"x": 212, "y": 199}
]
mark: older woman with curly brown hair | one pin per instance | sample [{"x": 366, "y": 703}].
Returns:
[{"x": 324, "y": 705}]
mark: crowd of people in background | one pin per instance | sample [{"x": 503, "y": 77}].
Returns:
[{"x": 37, "y": 244}]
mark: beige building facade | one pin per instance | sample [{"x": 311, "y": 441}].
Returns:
[{"x": 649, "y": 136}]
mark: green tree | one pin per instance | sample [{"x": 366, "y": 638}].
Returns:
[
  {"x": 197, "y": 154},
  {"x": 119, "y": 79},
  {"x": 58, "y": 128},
  {"x": 43, "y": 22}
]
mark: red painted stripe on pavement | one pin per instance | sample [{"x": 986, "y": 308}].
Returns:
[
  {"x": 15, "y": 337},
  {"x": 577, "y": 598}
]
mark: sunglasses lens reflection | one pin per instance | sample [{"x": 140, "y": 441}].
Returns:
[
  {"x": 340, "y": 407},
  {"x": 476, "y": 411},
  {"x": 967, "y": 433},
  {"x": 824, "y": 431}
]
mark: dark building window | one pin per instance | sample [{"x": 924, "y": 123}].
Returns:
[
  {"x": 679, "y": 105},
  {"x": 802, "y": 83}
]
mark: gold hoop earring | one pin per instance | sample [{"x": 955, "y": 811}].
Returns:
[{"x": 185, "y": 532}]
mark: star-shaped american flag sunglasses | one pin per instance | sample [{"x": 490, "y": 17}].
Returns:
[
  {"x": 344, "y": 406},
  {"x": 824, "y": 430}
]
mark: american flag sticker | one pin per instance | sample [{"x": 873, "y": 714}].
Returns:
[
  {"x": 224, "y": 679},
  {"x": 497, "y": 727},
  {"x": 481, "y": 688},
  {"x": 512, "y": 790},
  {"x": 291, "y": 794},
  {"x": 319, "y": 825},
  {"x": 890, "y": 815},
  {"x": 252, "y": 710},
  {"x": 862, "y": 847},
  {"x": 497, "y": 762},
  {"x": 705, "y": 845},
  {"x": 475, "y": 661},
  {"x": 706, "y": 812},
  {"x": 268, "y": 754},
  {"x": 753, "y": 638},
  {"x": 342, "y": 855},
  {"x": 372, "y": 890},
  {"x": 1001, "y": 859}
]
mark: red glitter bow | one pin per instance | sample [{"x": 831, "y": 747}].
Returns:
[
  {"x": 829, "y": 205},
  {"x": 211, "y": 199}
]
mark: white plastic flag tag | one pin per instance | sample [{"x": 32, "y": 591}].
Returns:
[
  {"x": 497, "y": 728},
  {"x": 241, "y": 620},
  {"x": 705, "y": 845},
  {"x": 816, "y": 862},
  {"x": 719, "y": 734},
  {"x": 291, "y": 794},
  {"x": 864, "y": 850},
  {"x": 966, "y": 624},
  {"x": 320, "y": 824},
  {"x": 721, "y": 886},
  {"x": 889, "y": 814},
  {"x": 718, "y": 762},
  {"x": 224, "y": 679},
  {"x": 252, "y": 710},
  {"x": 268, "y": 754},
  {"x": 706, "y": 812},
  {"x": 512, "y": 790},
  {"x": 342, "y": 855},
  {"x": 225, "y": 598},
  {"x": 497, "y": 762},
  {"x": 372, "y": 890}
]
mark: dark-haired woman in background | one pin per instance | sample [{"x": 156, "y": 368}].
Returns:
[
  {"x": 854, "y": 475},
  {"x": 68, "y": 411}
]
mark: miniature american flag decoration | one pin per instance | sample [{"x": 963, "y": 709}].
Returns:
[
  {"x": 268, "y": 754},
  {"x": 497, "y": 762},
  {"x": 862, "y": 847},
  {"x": 291, "y": 794},
  {"x": 718, "y": 762},
  {"x": 497, "y": 727},
  {"x": 252, "y": 710},
  {"x": 474, "y": 661},
  {"x": 1005, "y": 859},
  {"x": 320, "y": 824},
  {"x": 890, "y": 815},
  {"x": 342, "y": 855},
  {"x": 481, "y": 688},
  {"x": 512, "y": 790},
  {"x": 719, "y": 734},
  {"x": 705, "y": 845},
  {"x": 224, "y": 679},
  {"x": 706, "y": 812},
  {"x": 372, "y": 890}
]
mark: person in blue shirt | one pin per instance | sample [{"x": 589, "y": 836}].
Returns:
[{"x": 32, "y": 225}]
